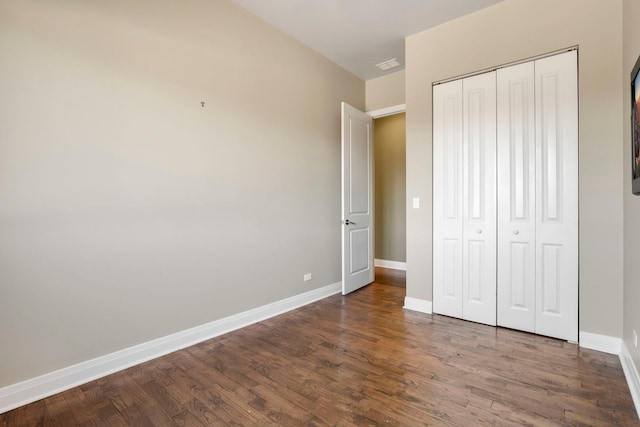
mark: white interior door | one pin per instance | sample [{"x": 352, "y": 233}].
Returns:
[
  {"x": 447, "y": 197},
  {"x": 357, "y": 199},
  {"x": 479, "y": 199},
  {"x": 516, "y": 197},
  {"x": 557, "y": 196}
]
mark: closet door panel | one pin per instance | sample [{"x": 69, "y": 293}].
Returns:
[
  {"x": 479, "y": 199},
  {"x": 447, "y": 199},
  {"x": 557, "y": 196},
  {"x": 516, "y": 196}
]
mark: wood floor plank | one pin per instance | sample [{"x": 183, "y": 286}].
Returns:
[
  {"x": 58, "y": 413},
  {"x": 29, "y": 415},
  {"x": 355, "y": 360}
]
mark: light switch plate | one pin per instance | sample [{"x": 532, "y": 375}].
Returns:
[{"x": 416, "y": 203}]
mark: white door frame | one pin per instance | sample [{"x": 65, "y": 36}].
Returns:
[
  {"x": 389, "y": 111},
  {"x": 377, "y": 114}
]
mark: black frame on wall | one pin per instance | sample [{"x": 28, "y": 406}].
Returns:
[{"x": 635, "y": 128}]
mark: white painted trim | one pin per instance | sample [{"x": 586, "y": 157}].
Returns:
[
  {"x": 395, "y": 265},
  {"x": 389, "y": 111},
  {"x": 28, "y": 391},
  {"x": 416, "y": 304},
  {"x": 631, "y": 374},
  {"x": 602, "y": 343}
]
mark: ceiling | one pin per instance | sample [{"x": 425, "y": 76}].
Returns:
[{"x": 358, "y": 34}]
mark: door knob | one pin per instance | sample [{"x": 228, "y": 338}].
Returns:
[
  {"x": 479, "y": 231},
  {"x": 347, "y": 222},
  {"x": 516, "y": 232}
]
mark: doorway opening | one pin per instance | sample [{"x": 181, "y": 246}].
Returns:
[{"x": 390, "y": 191}]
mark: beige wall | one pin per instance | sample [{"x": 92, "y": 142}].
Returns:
[
  {"x": 386, "y": 91},
  {"x": 390, "y": 169},
  {"x": 514, "y": 30},
  {"x": 631, "y": 202},
  {"x": 127, "y": 210}
]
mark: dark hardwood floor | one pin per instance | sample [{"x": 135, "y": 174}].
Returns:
[
  {"x": 388, "y": 276},
  {"x": 355, "y": 360}
]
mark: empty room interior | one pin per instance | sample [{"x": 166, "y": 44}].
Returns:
[{"x": 176, "y": 246}]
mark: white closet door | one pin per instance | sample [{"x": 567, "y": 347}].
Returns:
[
  {"x": 516, "y": 197},
  {"x": 557, "y": 196},
  {"x": 479, "y": 199},
  {"x": 447, "y": 196}
]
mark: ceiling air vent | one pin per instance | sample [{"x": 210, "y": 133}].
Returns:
[{"x": 388, "y": 64}]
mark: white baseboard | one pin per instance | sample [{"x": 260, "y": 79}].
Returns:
[
  {"x": 415, "y": 304},
  {"x": 28, "y": 391},
  {"x": 603, "y": 343},
  {"x": 396, "y": 265},
  {"x": 631, "y": 374}
]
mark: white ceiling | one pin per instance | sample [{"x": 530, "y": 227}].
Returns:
[{"x": 358, "y": 34}]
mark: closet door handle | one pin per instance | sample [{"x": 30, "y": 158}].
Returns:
[{"x": 516, "y": 232}]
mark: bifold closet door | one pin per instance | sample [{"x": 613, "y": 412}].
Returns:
[
  {"x": 464, "y": 213},
  {"x": 479, "y": 198},
  {"x": 505, "y": 197},
  {"x": 556, "y": 86},
  {"x": 516, "y": 197},
  {"x": 538, "y": 196},
  {"x": 447, "y": 196}
]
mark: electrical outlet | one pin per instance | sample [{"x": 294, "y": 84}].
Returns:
[
  {"x": 307, "y": 277},
  {"x": 635, "y": 339}
]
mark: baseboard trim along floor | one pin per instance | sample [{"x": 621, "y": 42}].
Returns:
[
  {"x": 631, "y": 375},
  {"x": 602, "y": 343},
  {"x": 415, "y": 304},
  {"x": 28, "y": 391},
  {"x": 395, "y": 265}
]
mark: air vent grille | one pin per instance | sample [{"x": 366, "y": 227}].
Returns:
[{"x": 388, "y": 64}]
